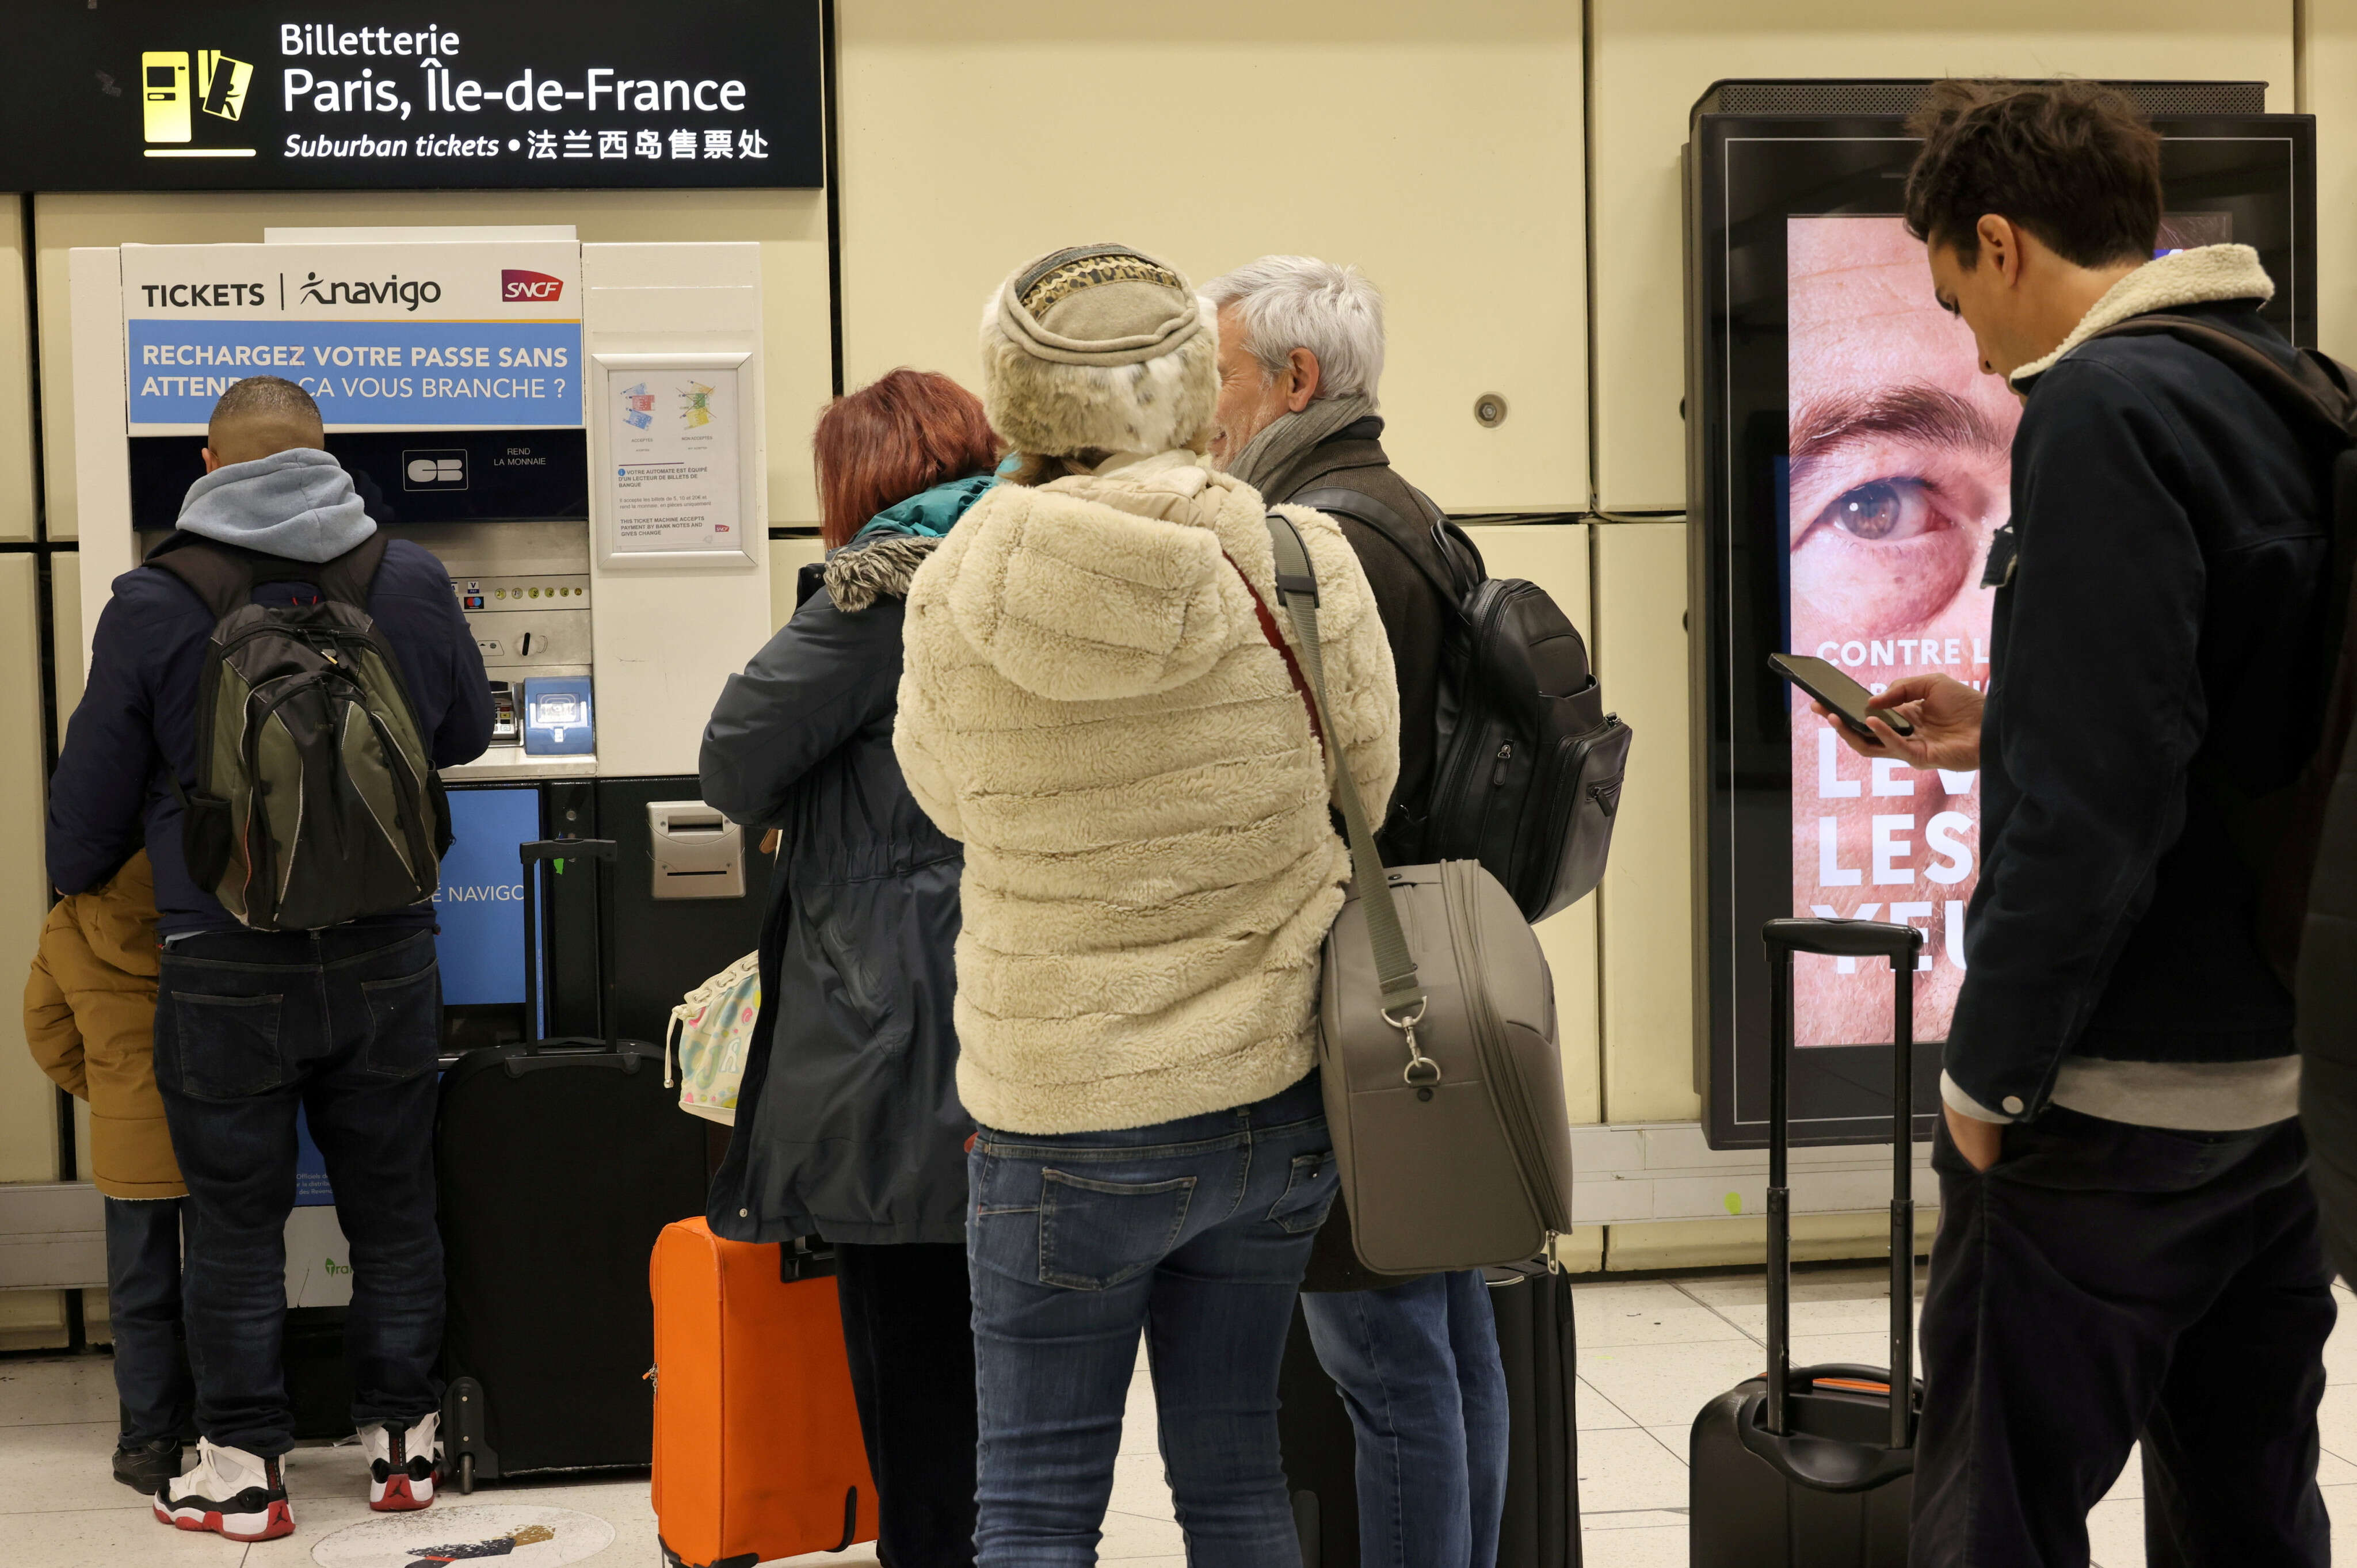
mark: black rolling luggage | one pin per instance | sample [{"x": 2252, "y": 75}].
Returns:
[
  {"x": 560, "y": 1162},
  {"x": 1532, "y": 1304},
  {"x": 1814, "y": 1467},
  {"x": 1541, "y": 1529},
  {"x": 1320, "y": 1453}
]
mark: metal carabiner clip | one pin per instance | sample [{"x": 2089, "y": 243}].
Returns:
[{"x": 1422, "y": 1071}]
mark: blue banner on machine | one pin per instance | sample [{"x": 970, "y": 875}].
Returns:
[
  {"x": 479, "y": 906},
  {"x": 404, "y": 476},
  {"x": 424, "y": 373}
]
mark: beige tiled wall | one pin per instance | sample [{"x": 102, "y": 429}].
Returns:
[
  {"x": 28, "y": 1105},
  {"x": 1437, "y": 146},
  {"x": 1646, "y": 919}
]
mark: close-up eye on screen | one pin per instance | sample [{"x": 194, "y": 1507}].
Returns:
[{"x": 1897, "y": 477}]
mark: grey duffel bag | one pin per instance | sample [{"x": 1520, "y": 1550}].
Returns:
[{"x": 1437, "y": 1038}]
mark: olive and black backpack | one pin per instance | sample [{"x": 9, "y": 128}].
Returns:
[{"x": 316, "y": 800}]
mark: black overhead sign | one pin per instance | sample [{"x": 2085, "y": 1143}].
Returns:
[{"x": 411, "y": 94}]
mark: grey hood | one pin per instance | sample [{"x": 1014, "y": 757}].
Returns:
[{"x": 298, "y": 503}]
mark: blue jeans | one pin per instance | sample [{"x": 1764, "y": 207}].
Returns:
[
  {"x": 142, "y": 1312},
  {"x": 1196, "y": 1231},
  {"x": 1419, "y": 1367},
  {"x": 344, "y": 1023}
]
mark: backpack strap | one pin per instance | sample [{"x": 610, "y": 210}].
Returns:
[
  {"x": 223, "y": 576},
  {"x": 220, "y": 575},
  {"x": 2312, "y": 394},
  {"x": 1296, "y": 590},
  {"x": 1350, "y": 501},
  {"x": 347, "y": 578}
]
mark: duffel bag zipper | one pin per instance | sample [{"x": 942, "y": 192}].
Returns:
[{"x": 1510, "y": 1096}]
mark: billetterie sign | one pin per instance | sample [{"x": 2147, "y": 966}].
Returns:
[
  {"x": 148, "y": 95},
  {"x": 402, "y": 336}
]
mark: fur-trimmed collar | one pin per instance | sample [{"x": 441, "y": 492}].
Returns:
[
  {"x": 2202, "y": 275},
  {"x": 857, "y": 577}
]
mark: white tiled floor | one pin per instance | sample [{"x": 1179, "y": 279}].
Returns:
[{"x": 1652, "y": 1352}]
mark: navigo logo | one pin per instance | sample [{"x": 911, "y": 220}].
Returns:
[{"x": 519, "y": 286}]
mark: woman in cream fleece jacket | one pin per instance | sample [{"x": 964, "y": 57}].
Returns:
[
  {"x": 1099, "y": 702},
  {"x": 1091, "y": 704}
]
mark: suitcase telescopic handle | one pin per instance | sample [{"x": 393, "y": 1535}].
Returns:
[
  {"x": 1844, "y": 938},
  {"x": 534, "y": 853},
  {"x": 1901, "y": 945}
]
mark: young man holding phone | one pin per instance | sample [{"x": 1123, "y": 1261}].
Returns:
[{"x": 2128, "y": 1248}]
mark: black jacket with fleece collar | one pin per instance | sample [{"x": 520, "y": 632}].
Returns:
[{"x": 2172, "y": 539}]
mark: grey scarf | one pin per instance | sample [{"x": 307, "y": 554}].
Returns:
[{"x": 1268, "y": 454}]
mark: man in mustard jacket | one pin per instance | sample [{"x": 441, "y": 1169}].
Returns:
[{"x": 90, "y": 1019}]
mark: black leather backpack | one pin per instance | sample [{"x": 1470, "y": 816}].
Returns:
[{"x": 1527, "y": 770}]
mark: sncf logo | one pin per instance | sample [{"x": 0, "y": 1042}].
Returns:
[{"x": 536, "y": 288}]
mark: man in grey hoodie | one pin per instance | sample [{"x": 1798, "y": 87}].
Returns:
[{"x": 250, "y": 1024}]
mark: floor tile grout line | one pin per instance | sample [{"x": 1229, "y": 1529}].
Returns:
[
  {"x": 1682, "y": 1461},
  {"x": 1610, "y": 1404},
  {"x": 1714, "y": 1311}
]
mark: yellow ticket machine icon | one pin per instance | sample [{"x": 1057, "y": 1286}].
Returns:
[{"x": 164, "y": 93}]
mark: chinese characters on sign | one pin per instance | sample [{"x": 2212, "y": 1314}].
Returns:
[{"x": 528, "y": 93}]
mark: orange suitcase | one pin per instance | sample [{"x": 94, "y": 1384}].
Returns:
[{"x": 757, "y": 1454}]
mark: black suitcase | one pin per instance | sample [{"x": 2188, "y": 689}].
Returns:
[
  {"x": 560, "y": 1162},
  {"x": 1814, "y": 1467},
  {"x": 1541, "y": 1529}
]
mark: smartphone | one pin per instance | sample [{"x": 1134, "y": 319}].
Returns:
[{"x": 1846, "y": 697}]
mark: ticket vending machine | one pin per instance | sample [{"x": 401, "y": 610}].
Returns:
[
  {"x": 576, "y": 431},
  {"x": 1847, "y": 463}
]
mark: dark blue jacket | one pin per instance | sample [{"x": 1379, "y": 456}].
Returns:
[
  {"x": 849, "y": 1121},
  {"x": 2147, "y": 659},
  {"x": 137, "y": 716}
]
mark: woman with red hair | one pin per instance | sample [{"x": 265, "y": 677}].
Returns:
[{"x": 848, "y": 1124}]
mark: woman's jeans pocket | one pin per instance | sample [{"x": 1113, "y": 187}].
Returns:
[
  {"x": 405, "y": 1024},
  {"x": 227, "y": 1047},
  {"x": 1096, "y": 1234},
  {"x": 1308, "y": 1193}
]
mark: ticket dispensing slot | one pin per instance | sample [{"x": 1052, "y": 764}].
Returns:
[
  {"x": 504, "y": 729},
  {"x": 698, "y": 852}
]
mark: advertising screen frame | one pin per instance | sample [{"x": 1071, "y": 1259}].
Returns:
[{"x": 1746, "y": 175}]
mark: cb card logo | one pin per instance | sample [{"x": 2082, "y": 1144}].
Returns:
[
  {"x": 438, "y": 470},
  {"x": 518, "y": 286}
]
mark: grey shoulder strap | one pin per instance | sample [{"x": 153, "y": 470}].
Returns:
[{"x": 1296, "y": 590}]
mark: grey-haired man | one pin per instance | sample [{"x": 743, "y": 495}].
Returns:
[{"x": 1301, "y": 353}]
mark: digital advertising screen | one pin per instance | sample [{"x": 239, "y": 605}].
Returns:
[{"x": 1849, "y": 466}]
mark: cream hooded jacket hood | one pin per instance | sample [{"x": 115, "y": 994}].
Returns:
[{"x": 1091, "y": 704}]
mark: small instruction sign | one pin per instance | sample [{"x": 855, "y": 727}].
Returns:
[{"x": 672, "y": 438}]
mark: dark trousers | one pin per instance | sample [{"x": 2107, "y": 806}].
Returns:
[
  {"x": 907, "y": 1323},
  {"x": 345, "y": 1023},
  {"x": 2102, "y": 1282},
  {"x": 142, "y": 1313}
]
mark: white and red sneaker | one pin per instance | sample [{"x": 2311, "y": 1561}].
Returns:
[
  {"x": 402, "y": 1465},
  {"x": 231, "y": 1492}
]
